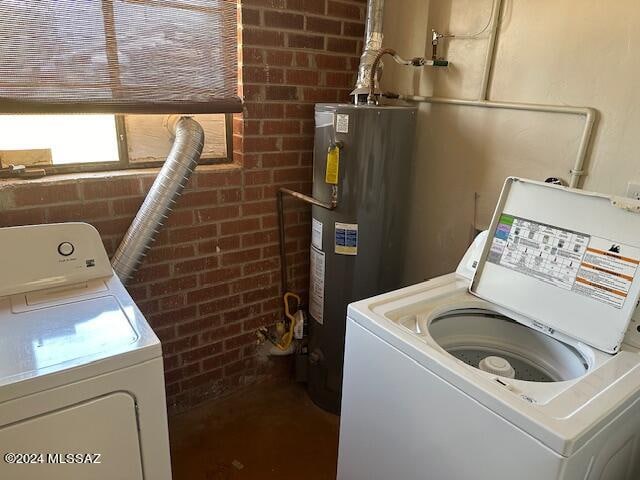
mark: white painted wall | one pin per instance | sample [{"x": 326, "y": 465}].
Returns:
[{"x": 567, "y": 52}]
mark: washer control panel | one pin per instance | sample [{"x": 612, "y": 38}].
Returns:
[{"x": 37, "y": 257}]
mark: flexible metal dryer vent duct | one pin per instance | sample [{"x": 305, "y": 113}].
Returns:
[
  {"x": 372, "y": 45},
  {"x": 173, "y": 177}
]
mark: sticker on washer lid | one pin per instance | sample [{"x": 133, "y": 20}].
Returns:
[
  {"x": 607, "y": 271},
  {"x": 342, "y": 123},
  {"x": 590, "y": 266},
  {"x": 316, "y": 289},
  {"x": 346, "y": 238},
  {"x": 547, "y": 253},
  {"x": 316, "y": 233}
]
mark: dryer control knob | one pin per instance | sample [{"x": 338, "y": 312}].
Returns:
[
  {"x": 497, "y": 366},
  {"x": 65, "y": 249}
]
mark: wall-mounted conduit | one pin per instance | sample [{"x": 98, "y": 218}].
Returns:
[{"x": 590, "y": 114}]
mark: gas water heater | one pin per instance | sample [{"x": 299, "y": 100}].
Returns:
[{"x": 363, "y": 163}]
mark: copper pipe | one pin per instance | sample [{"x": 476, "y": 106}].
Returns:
[
  {"x": 307, "y": 199},
  {"x": 280, "y": 205}
]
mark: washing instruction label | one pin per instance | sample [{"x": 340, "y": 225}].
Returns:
[
  {"x": 547, "y": 253},
  {"x": 316, "y": 233},
  {"x": 342, "y": 123},
  {"x": 591, "y": 266},
  {"x": 346, "y": 238},
  {"x": 316, "y": 287}
]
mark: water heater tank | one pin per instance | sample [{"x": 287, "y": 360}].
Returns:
[{"x": 358, "y": 249}]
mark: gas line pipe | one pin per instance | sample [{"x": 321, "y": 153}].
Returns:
[
  {"x": 287, "y": 337},
  {"x": 331, "y": 205}
]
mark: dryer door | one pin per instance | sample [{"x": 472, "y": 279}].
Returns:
[{"x": 97, "y": 439}]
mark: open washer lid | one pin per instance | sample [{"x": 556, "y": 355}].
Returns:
[{"x": 566, "y": 260}]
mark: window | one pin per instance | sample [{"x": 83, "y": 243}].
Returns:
[
  {"x": 115, "y": 60},
  {"x": 71, "y": 143},
  {"x": 119, "y": 56},
  {"x": 148, "y": 138}
]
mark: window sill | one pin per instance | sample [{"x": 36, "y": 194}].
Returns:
[{"x": 126, "y": 173}]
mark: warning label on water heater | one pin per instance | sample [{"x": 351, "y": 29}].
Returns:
[
  {"x": 316, "y": 288},
  {"x": 342, "y": 123},
  {"x": 591, "y": 266},
  {"x": 346, "y": 238},
  {"x": 316, "y": 233}
]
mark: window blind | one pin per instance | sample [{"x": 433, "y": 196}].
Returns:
[{"x": 118, "y": 56}]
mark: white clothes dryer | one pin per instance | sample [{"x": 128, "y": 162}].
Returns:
[{"x": 81, "y": 374}]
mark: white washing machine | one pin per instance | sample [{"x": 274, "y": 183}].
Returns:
[
  {"x": 523, "y": 364},
  {"x": 81, "y": 374}
]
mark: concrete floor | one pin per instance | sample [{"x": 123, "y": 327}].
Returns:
[{"x": 264, "y": 432}]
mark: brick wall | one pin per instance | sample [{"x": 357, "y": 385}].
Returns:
[{"x": 213, "y": 275}]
